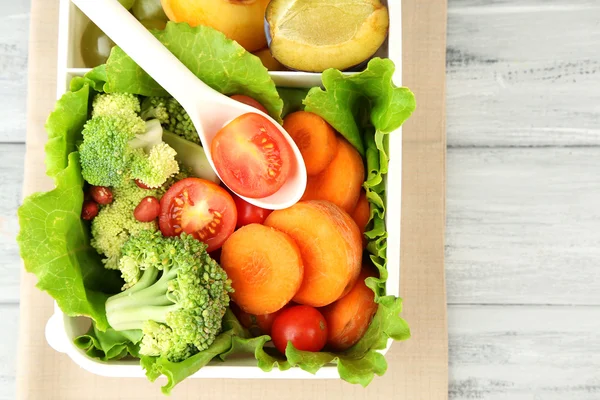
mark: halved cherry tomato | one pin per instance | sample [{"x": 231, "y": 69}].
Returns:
[
  {"x": 200, "y": 208},
  {"x": 252, "y": 156},
  {"x": 249, "y": 213},
  {"x": 304, "y": 326},
  {"x": 249, "y": 101}
]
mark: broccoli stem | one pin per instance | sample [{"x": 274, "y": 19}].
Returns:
[
  {"x": 146, "y": 300},
  {"x": 148, "y": 278},
  {"x": 134, "y": 318}
]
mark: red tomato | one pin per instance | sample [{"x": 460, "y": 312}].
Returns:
[
  {"x": 200, "y": 208},
  {"x": 257, "y": 324},
  {"x": 252, "y": 156},
  {"x": 304, "y": 326},
  {"x": 249, "y": 213},
  {"x": 249, "y": 101}
]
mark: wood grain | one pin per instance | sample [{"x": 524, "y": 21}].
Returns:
[
  {"x": 14, "y": 28},
  {"x": 524, "y": 353},
  {"x": 521, "y": 73},
  {"x": 523, "y": 226},
  {"x": 11, "y": 178},
  {"x": 9, "y": 315}
]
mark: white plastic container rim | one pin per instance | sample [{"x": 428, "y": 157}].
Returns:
[{"x": 61, "y": 329}]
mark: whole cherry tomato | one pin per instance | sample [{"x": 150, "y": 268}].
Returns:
[
  {"x": 248, "y": 213},
  {"x": 302, "y": 325}
]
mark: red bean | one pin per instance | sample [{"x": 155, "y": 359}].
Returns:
[
  {"x": 89, "y": 210},
  {"x": 147, "y": 210},
  {"x": 101, "y": 194}
]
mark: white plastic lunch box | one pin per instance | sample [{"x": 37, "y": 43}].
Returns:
[{"x": 61, "y": 329}]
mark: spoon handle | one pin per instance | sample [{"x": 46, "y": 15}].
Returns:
[{"x": 147, "y": 51}]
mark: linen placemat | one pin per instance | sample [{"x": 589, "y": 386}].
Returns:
[{"x": 418, "y": 368}]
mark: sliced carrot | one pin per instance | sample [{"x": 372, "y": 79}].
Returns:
[
  {"x": 330, "y": 245},
  {"x": 314, "y": 137},
  {"x": 341, "y": 181},
  {"x": 265, "y": 268},
  {"x": 361, "y": 215},
  {"x": 349, "y": 317}
]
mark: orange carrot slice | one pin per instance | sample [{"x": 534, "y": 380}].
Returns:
[
  {"x": 314, "y": 137},
  {"x": 331, "y": 249},
  {"x": 265, "y": 268},
  {"x": 361, "y": 215},
  {"x": 341, "y": 181},
  {"x": 349, "y": 317}
]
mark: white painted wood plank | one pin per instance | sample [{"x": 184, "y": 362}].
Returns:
[
  {"x": 523, "y": 73},
  {"x": 524, "y": 353},
  {"x": 9, "y": 314},
  {"x": 523, "y": 226},
  {"x": 11, "y": 179},
  {"x": 14, "y": 28}
]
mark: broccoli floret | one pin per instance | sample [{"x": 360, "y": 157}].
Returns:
[
  {"x": 115, "y": 223},
  {"x": 155, "y": 167},
  {"x": 178, "y": 302},
  {"x": 118, "y": 144},
  {"x": 116, "y": 104},
  {"x": 171, "y": 115}
]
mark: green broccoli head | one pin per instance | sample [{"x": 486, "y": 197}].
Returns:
[
  {"x": 115, "y": 223},
  {"x": 171, "y": 115},
  {"x": 105, "y": 153},
  {"x": 156, "y": 166},
  {"x": 110, "y": 104},
  {"x": 119, "y": 144},
  {"x": 178, "y": 302}
]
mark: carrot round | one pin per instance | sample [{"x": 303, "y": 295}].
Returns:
[
  {"x": 361, "y": 215},
  {"x": 341, "y": 181},
  {"x": 331, "y": 249},
  {"x": 265, "y": 268},
  {"x": 349, "y": 317},
  {"x": 314, "y": 137}
]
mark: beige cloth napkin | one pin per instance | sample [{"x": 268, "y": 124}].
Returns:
[{"x": 418, "y": 368}]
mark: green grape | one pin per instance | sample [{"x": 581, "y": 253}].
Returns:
[
  {"x": 95, "y": 46},
  {"x": 149, "y": 9},
  {"x": 154, "y": 23},
  {"x": 127, "y": 3}
]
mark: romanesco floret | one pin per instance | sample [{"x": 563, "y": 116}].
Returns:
[
  {"x": 180, "y": 299},
  {"x": 115, "y": 223},
  {"x": 171, "y": 115},
  {"x": 119, "y": 144}
]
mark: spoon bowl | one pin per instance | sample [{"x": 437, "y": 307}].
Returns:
[{"x": 208, "y": 109}]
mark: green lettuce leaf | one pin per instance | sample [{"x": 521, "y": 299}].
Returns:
[
  {"x": 292, "y": 99},
  {"x": 360, "y": 363},
  {"x": 345, "y": 99},
  {"x": 109, "y": 345},
  {"x": 234, "y": 340},
  {"x": 53, "y": 239},
  {"x": 219, "y": 62},
  {"x": 364, "y": 108}
]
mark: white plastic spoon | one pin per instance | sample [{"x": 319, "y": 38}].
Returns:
[{"x": 208, "y": 109}]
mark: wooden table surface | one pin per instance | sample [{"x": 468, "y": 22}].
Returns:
[{"x": 523, "y": 233}]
